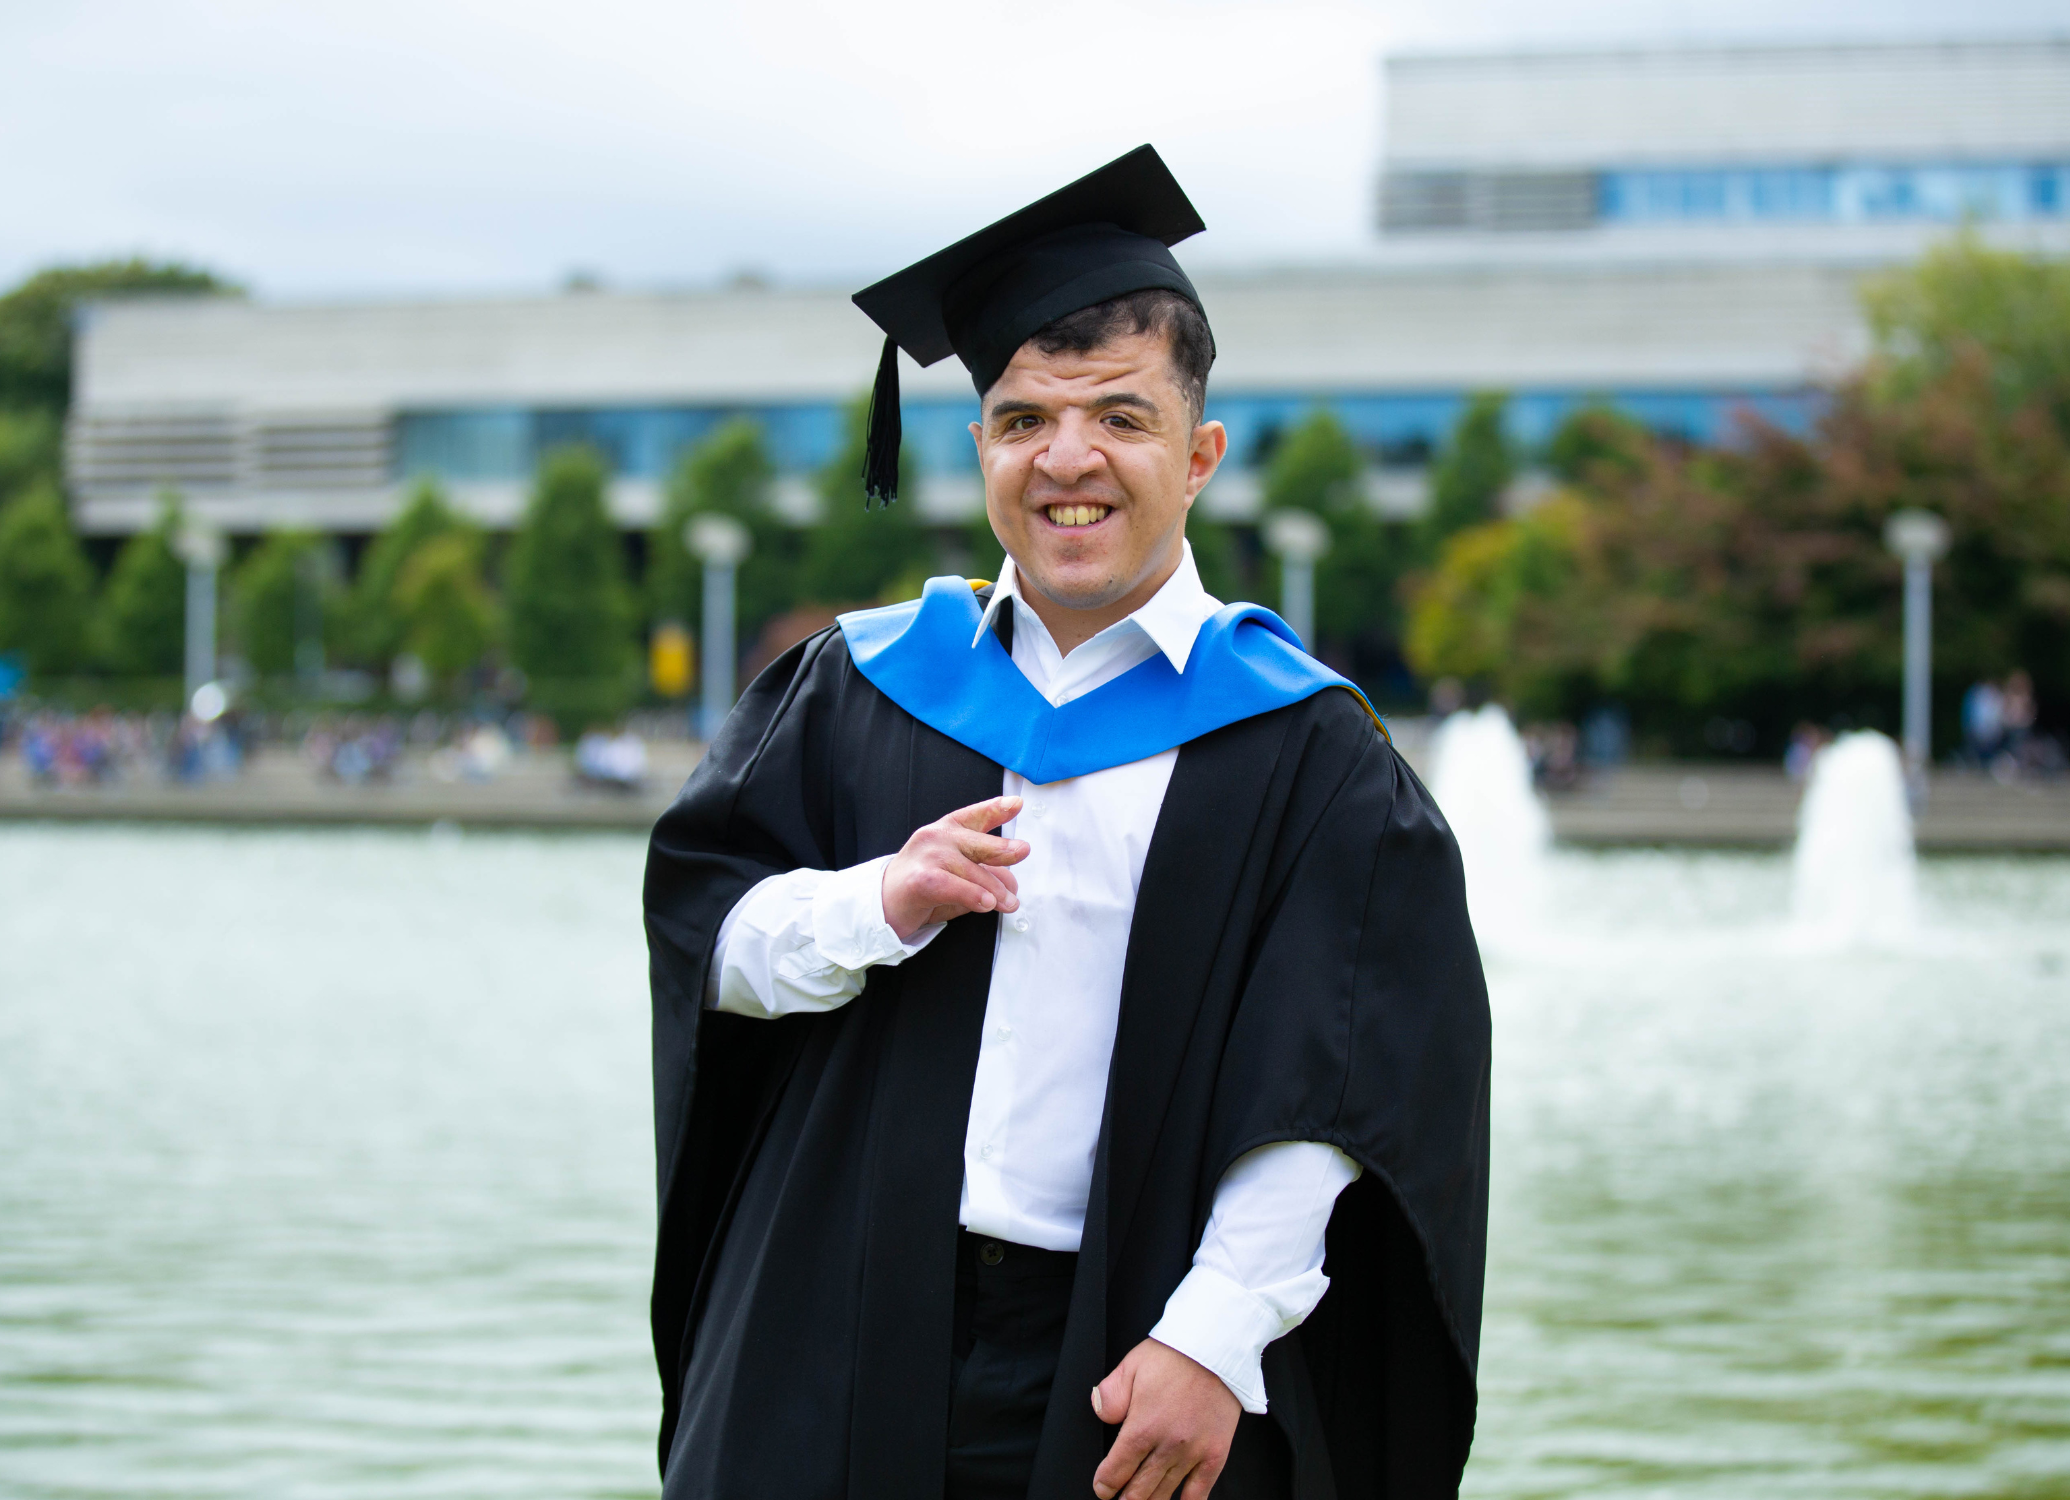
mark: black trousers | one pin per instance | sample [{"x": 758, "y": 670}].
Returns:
[
  {"x": 1010, "y": 1306},
  {"x": 1011, "y": 1301}
]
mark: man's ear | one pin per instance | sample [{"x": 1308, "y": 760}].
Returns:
[{"x": 1210, "y": 447}]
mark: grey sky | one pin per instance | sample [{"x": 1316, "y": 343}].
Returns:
[{"x": 387, "y": 146}]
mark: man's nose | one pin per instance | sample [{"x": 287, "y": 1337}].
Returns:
[{"x": 1071, "y": 454}]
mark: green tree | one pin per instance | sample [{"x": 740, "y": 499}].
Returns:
[
  {"x": 1219, "y": 557},
  {"x": 36, "y": 323},
  {"x": 281, "y": 599},
  {"x": 374, "y": 621},
  {"x": 1596, "y": 443},
  {"x": 1471, "y": 472},
  {"x": 28, "y": 450},
  {"x": 570, "y": 611},
  {"x": 729, "y": 473},
  {"x": 987, "y": 557},
  {"x": 46, "y": 584},
  {"x": 1966, "y": 303},
  {"x": 1317, "y": 467},
  {"x": 449, "y": 618},
  {"x": 140, "y": 628},
  {"x": 856, "y": 556},
  {"x": 1752, "y": 582},
  {"x": 1498, "y": 609}
]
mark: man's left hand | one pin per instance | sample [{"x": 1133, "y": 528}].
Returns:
[{"x": 1177, "y": 1420}]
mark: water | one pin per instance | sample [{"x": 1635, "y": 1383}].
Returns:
[
  {"x": 1775, "y": 1221},
  {"x": 327, "y": 1173},
  {"x": 1855, "y": 874},
  {"x": 328, "y": 1166}
]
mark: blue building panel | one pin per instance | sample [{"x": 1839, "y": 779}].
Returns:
[
  {"x": 802, "y": 437},
  {"x": 479, "y": 443},
  {"x": 1943, "y": 192},
  {"x": 937, "y": 434},
  {"x": 1391, "y": 428}
]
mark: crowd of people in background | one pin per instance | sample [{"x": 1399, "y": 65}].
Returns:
[
  {"x": 1999, "y": 732},
  {"x": 615, "y": 761},
  {"x": 105, "y": 747}
]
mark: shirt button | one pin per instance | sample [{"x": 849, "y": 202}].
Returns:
[
  {"x": 985, "y": 1153},
  {"x": 1020, "y": 924},
  {"x": 1002, "y": 1032},
  {"x": 1038, "y": 809}
]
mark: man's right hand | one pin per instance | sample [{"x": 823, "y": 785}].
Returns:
[{"x": 954, "y": 865}]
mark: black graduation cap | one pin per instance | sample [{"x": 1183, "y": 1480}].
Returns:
[{"x": 1104, "y": 236}]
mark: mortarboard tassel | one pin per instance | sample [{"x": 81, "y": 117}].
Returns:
[{"x": 880, "y": 450}]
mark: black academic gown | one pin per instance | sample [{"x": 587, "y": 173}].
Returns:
[{"x": 1300, "y": 968}]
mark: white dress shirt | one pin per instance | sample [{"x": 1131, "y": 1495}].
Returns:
[{"x": 804, "y": 941}]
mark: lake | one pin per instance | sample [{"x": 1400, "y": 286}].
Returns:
[{"x": 325, "y": 1170}]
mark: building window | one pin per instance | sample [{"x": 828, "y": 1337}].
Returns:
[
  {"x": 482, "y": 444},
  {"x": 1945, "y": 192}
]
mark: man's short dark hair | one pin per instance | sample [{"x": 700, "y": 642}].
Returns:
[{"x": 1152, "y": 311}]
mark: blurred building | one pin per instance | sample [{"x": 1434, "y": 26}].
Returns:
[
  {"x": 1681, "y": 231},
  {"x": 1848, "y": 154}
]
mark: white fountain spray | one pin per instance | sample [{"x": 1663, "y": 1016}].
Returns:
[
  {"x": 1481, "y": 778},
  {"x": 1855, "y": 875}
]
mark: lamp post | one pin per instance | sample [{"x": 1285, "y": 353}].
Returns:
[
  {"x": 722, "y": 543},
  {"x": 201, "y": 548},
  {"x": 1919, "y": 537},
  {"x": 1297, "y": 538}
]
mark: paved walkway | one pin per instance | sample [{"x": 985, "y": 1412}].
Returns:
[
  {"x": 1757, "y": 806},
  {"x": 1723, "y": 805},
  {"x": 537, "y": 790}
]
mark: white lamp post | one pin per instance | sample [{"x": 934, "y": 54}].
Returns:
[
  {"x": 201, "y": 548},
  {"x": 1919, "y": 537},
  {"x": 1297, "y": 538},
  {"x": 722, "y": 542}
]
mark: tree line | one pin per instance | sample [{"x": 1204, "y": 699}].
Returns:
[
  {"x": 1678, "y": 581},
  {"x": 565, "y": 598},
  {"x": 1750, "y": 580}
]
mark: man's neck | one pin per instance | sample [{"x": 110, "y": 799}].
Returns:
[{"x": 1071, "y": 628}]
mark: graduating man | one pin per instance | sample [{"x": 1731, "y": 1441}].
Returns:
[{"x": 1071, "y": 1053}]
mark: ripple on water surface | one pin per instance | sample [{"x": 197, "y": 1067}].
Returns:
[
  {"x": 329, "y": 1167},
  {"x": 328, "y": 1174}
]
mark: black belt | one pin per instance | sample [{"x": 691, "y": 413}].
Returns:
[{"x": 990, "y": 1251}]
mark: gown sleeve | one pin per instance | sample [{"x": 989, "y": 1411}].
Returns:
[
  {"x": 760, "y": 804},
  {"x": 1368, "y": 990}
]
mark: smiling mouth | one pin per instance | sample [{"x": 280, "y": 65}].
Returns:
[{"x": 1076, "y": 515}]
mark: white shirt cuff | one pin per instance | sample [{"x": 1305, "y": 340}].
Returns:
[
  {"x": 848, "y": 926},
  {"x": 1214, "y": 1322}
]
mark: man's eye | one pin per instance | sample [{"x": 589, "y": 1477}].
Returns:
[{"x": 1020, "y": 424}]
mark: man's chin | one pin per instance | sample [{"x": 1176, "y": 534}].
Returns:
[{"x": 1075, "y": 585}]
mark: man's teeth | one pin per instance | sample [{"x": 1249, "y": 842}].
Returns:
[{"x": 1077, "y": 515}]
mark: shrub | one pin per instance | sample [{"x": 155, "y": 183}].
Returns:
[
  {"x": 140, "y": 629},
  {"x": 46, "y": 584}
]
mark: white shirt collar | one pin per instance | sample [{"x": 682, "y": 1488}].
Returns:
[{"x": 1171, "y": 617}]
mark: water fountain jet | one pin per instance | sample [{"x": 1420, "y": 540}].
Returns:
[
  {"x": 1481, "y": 778},
  {"x": 1854, "y": 875}
]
